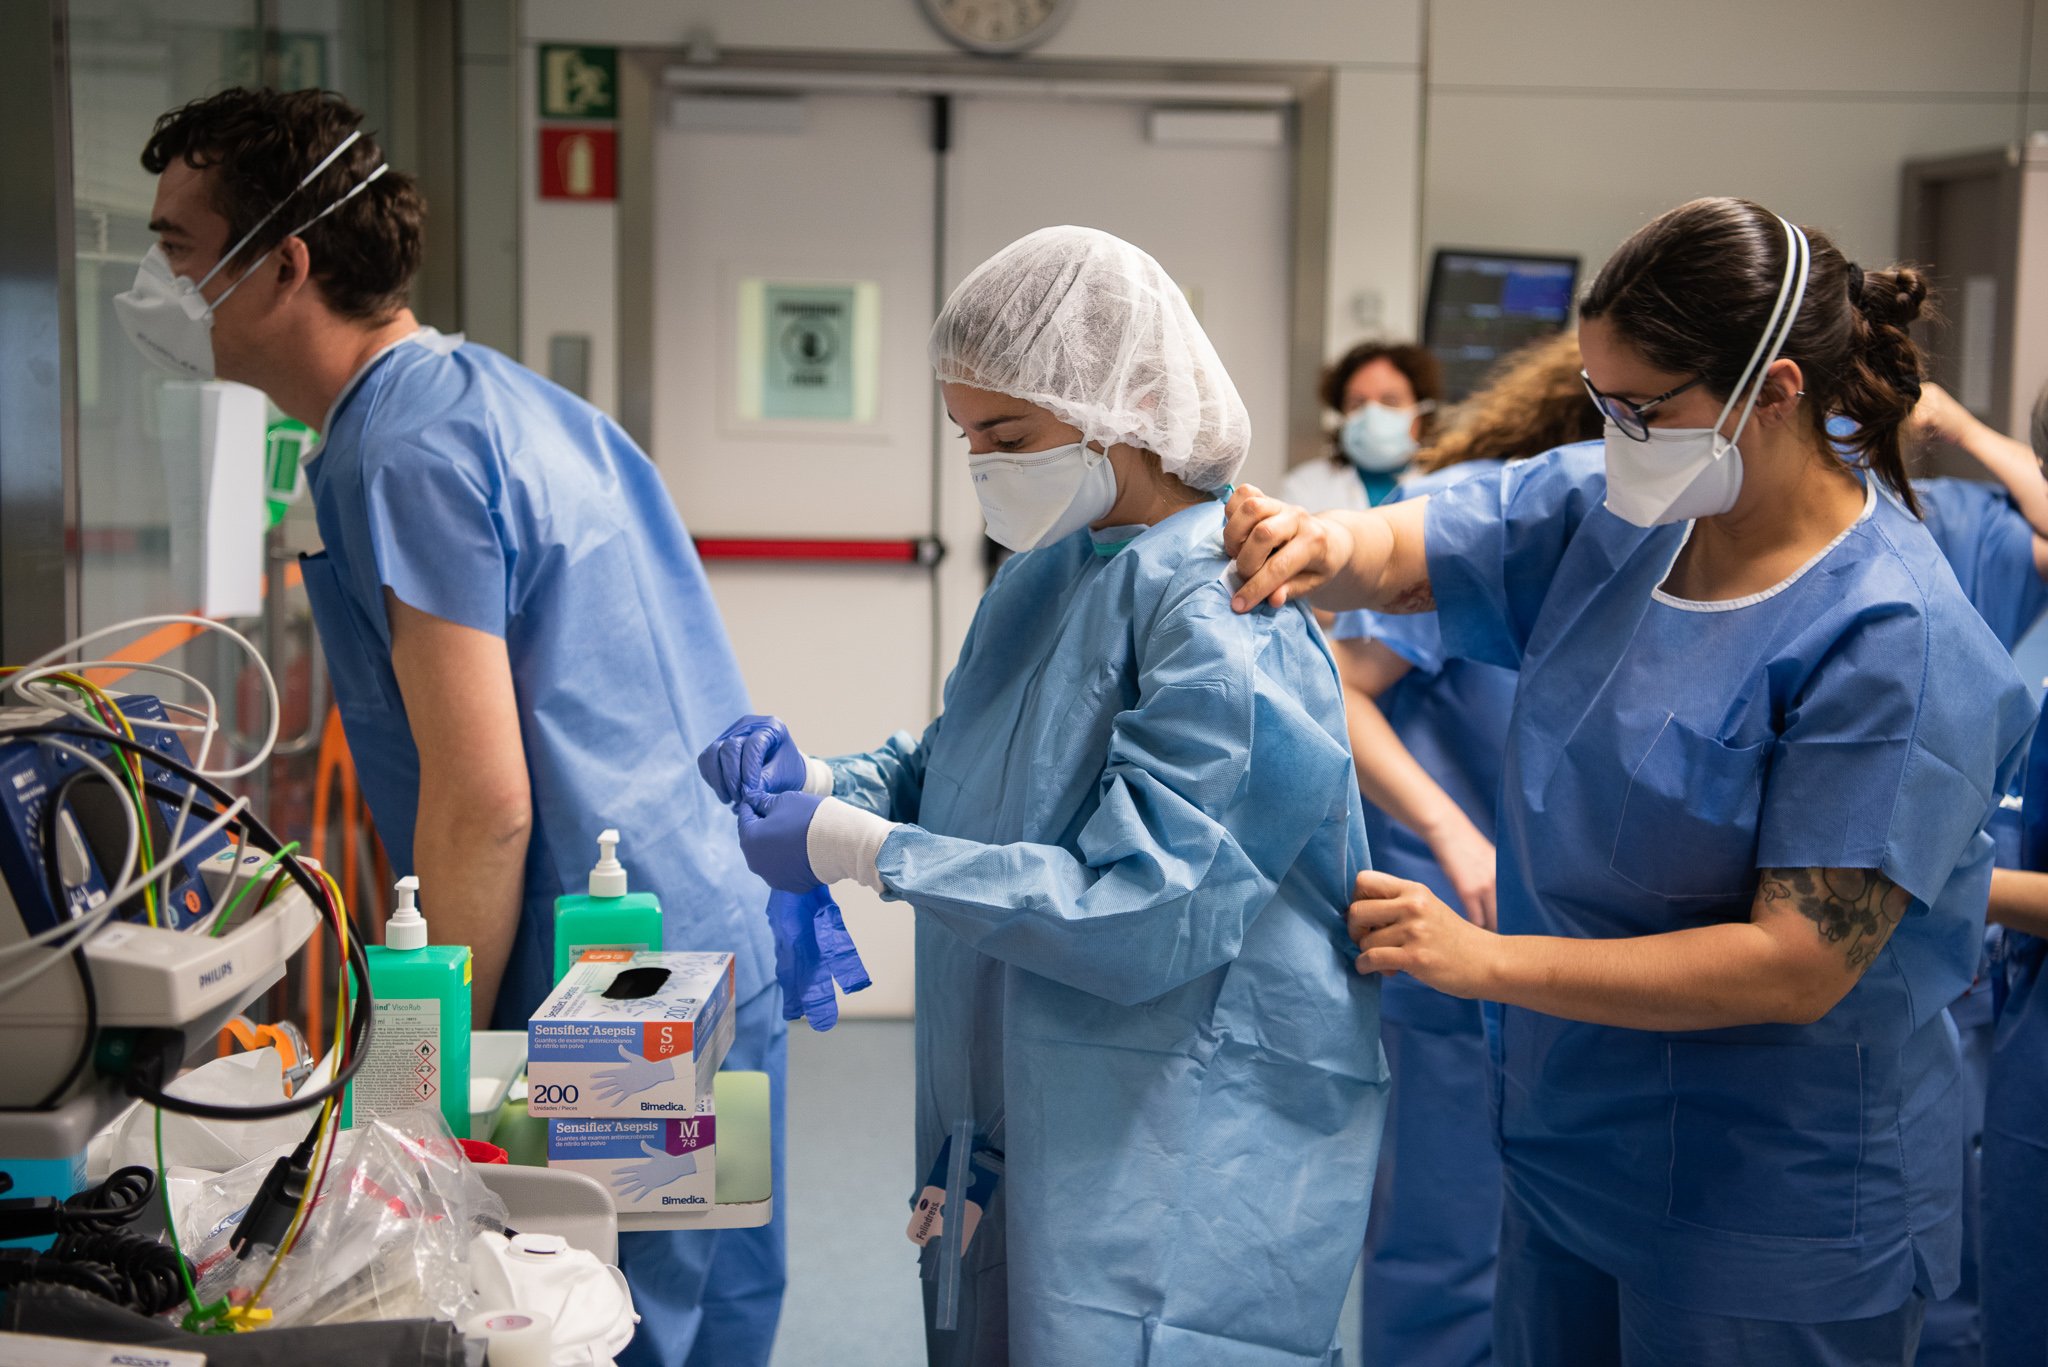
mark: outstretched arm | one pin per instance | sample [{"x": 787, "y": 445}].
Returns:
[
  {"x": 2012, "y": 463},
  {"x": 1810, "y": 936},
  {"x": 2019, "y": 900},
  {"x": 1342, "y": 560}
]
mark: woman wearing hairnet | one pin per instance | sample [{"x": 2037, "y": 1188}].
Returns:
[{"x": 1126, "y": 841}]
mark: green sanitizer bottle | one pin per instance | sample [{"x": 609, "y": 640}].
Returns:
[
  {"x": 419, "y": 1054},
  {"x": 608, "y": 917}
]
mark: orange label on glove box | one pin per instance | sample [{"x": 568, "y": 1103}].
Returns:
[{"x": 666, "y": 1039}]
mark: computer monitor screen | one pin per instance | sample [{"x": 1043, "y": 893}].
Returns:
[{"x": 1483, "y": 305}]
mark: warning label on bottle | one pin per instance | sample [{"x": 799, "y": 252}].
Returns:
[{"x": 405, "y": 1067}]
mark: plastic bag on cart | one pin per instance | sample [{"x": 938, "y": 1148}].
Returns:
[
  {"x": 254, "y": 1078},
  {"x": 388, "y": 1236}
]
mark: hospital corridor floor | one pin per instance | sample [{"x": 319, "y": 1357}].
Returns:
[{"x": 853, "y": 1299}]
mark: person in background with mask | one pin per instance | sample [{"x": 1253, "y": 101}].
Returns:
[
  {"x": 1385, "y": 397},
  {"x": 1758, "y": 734},
  {"x": 1427, "y": 735},
  {"x": 500, "y": 562},
  {"x": 1126, "y": 841}
]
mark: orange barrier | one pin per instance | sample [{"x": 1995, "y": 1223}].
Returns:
[{"x": 170, "y": 636}]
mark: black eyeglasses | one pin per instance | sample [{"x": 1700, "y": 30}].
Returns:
[{"x": 1632, "y": 418}]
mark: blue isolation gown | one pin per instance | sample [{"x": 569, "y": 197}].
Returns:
[
  {"x": 1430, "y": 1250},
  {"x": 483, "y": 494},
  {"x": 1857, "y": 715},
  {"x": 1136, "y": 829}
]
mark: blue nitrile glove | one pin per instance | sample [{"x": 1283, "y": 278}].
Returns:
[
  {"x": 635, "y": 1180},
  {"x": 812, "y": 948},
  {"x": 775, "y": 832},
  {"x": 836, "y": 947},
  {"x": 799, "y": 968},
  {"x": 724, "y": 760},
  {"x": 616, "y": 1084}
]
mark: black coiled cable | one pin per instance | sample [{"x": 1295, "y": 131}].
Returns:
[
  {"x": 96, "y": 1254},
  {"x": 144, "y": 1275},
  {"x": 112, "y": 1203}
]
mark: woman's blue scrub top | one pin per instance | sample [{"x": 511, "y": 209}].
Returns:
[{"x": 1858, "y": 715}]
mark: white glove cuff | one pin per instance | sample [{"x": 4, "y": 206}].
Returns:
[
  {"x": 844, "y": 842},
  {"x": 817, "y": 777}
]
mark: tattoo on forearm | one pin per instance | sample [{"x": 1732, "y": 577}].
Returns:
[
  {"x": 1421, "y": 598},
  {"x": 1855, "y": 908}
]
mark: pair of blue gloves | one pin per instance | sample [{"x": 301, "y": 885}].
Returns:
[{"x": 757, "y": 770}]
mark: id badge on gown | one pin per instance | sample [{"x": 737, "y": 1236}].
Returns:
[{"x": 928, "y": 1211}]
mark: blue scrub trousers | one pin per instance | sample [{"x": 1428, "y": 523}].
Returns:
[
  {"x": 2016, "y": 1250},
  {"x": 2015, "y": 1270},
  {"x": 2016, "y": 1231},
  {"x": 1436, "y": 1203},
  {"x": 1554, "y": 1309},
  {"x": 712, "y": 1299},
  {"x": 1954, "y": 1336}
]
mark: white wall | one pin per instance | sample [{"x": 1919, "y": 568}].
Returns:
[
  {"x": 1373, "y": 49},
  {"x": 1551, "y": 125},
  {"x": 1567, "y": 124}
]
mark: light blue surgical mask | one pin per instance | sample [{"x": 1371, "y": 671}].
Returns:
[{"x": 1379, "y": 438}]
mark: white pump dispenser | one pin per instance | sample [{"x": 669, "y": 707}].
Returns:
[
  {"x": 608, "y": 879},
  {"x": 406, "y": 929}
]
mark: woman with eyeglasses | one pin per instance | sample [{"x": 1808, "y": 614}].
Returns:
[{"x": 1756, "y": 737}]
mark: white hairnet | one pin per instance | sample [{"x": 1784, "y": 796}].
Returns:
[{"x": 1093, "y": 330}]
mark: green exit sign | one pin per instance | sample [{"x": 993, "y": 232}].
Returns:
[{"x": 579, "y": 82}]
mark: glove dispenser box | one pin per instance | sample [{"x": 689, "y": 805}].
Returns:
[
  {"x": 631, "y": 1036},
  {"x": 650, "y": 1166}
]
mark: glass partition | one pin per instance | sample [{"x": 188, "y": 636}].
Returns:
[{"x": 173, "y": 516}]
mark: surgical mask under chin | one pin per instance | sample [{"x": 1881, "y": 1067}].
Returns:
[
  {"x": 1035, "y": 498},
  {"x": 1682, "y": 473},
  {"x": 1675, "y": 476},
  {"x": 168, "y": 317},
  {"x": 1379, "y": 438}
]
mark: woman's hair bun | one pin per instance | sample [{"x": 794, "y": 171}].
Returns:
[{"x": 1893, "y": 297}]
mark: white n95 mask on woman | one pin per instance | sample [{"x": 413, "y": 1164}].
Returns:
[
  {"x": 1034, "y": 498},
  {"x": 1675, "y": 474},
  {"x": 1678, "y": 474}
]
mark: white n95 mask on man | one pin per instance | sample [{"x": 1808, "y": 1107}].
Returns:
[
  {"x": 168, "y": 316},
  {"x": 168, "y": 319},
  {"x": 1034, "y": 498},
  {"x": 1676, "y": 474}
]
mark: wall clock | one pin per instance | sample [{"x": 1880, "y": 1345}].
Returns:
[{"x": 997, "y": 26}]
